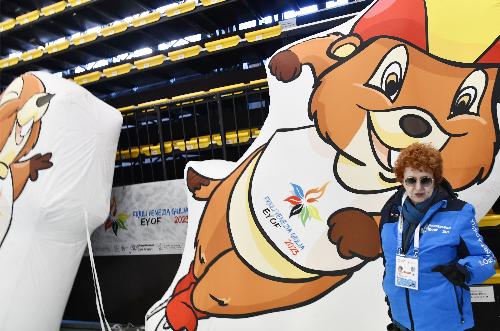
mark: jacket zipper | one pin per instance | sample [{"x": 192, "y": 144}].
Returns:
[
  {"x": 459, "y": 303},
  {"x": 410, "y": 315},
  {"x": 409, "y": 308}
]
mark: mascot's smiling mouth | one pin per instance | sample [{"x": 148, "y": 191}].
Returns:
[
  {"x": 30, "y": 113},
  {"x": 22, "y": 131},
  {"x": 391, "y": 130},
  {"x": 385, "y": 155}
]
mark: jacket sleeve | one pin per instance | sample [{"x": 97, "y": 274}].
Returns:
[{"x": 479, "y": 259}]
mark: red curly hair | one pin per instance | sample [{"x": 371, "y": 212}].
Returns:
[{"x": 422, "y": 157}]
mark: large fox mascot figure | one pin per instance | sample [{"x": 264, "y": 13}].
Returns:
[{"x": 402, "y": 75}]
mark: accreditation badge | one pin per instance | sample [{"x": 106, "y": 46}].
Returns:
[{"x": 407, "y": 272}]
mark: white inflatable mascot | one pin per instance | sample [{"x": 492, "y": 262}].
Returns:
[{"x": 57, "y": 151}]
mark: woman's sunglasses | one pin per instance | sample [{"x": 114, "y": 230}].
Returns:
[{"x": 424, "y": 181}]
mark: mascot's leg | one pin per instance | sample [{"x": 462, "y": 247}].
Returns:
[
  {"x": 212, "y": 240},
  {"x": 231, "y": 288}
]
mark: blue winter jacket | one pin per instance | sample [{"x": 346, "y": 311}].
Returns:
[{"x": 448, "y": 234}]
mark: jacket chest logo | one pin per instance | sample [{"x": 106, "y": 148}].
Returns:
[{"x": 443, "y": 229}]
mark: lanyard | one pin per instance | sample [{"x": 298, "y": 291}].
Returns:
[{"x": 416, "y": 236}]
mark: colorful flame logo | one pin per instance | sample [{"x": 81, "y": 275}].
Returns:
[
  {"x": 115, "y": 221},
  {"x": 303, "y": 203}
]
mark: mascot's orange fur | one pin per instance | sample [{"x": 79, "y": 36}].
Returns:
[
  {"x": 381, "y": 90},
  {"x": 22, "y": 106}
]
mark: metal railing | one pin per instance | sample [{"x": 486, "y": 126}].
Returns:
[{"x": 156, "y": 142}]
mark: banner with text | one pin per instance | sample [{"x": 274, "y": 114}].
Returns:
[{"x": 144, "y": 219}]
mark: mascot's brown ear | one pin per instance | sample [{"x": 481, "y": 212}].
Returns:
[
  {"x": 318, "y": 53},
  {"x": 343, "y": 48},
  {"x": 285, "y": 66}
]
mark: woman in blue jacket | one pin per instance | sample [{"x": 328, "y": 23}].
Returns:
[{"x": 432, "y": 248}]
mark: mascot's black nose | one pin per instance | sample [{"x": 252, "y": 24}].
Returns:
[
  {"x": 43, "y": 100},
  {"x": 415, "y": 126}
]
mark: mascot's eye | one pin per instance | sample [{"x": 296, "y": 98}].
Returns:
[
  {"x": 464, "y": 101},
  {"x": 389, "y": 75},
  {"x": 391, "y": 81},
  {"x": 467, "y": 99}
]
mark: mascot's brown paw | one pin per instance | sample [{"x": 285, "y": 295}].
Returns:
[
  {"x": 39, "y": 162},
  {"x": 355, "y": 233},
  {"x": 285, "y": 66}
]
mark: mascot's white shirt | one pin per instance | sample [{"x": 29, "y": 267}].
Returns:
[{"x": 264, "y": 233}]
